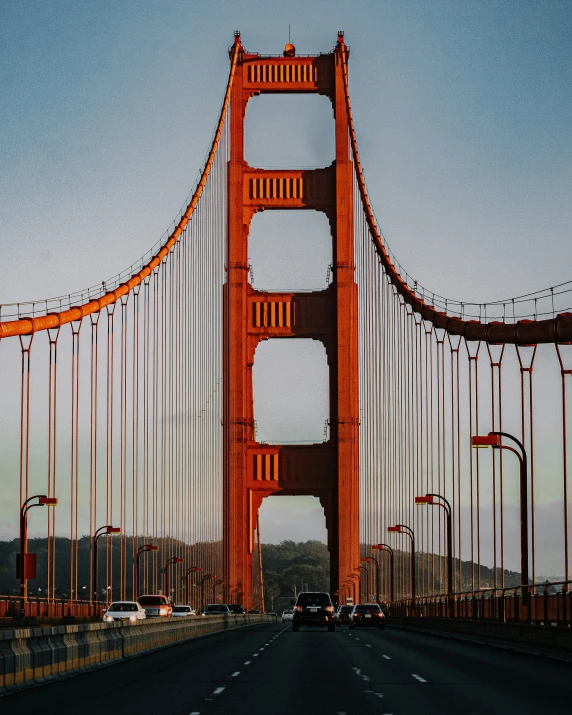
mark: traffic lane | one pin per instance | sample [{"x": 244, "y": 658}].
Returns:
[
  {"x": 167, "y": 681},
  {"x": 450, "y": 676},
  {"x": 306, "y": 673}
]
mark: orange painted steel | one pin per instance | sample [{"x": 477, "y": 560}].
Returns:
[
  {"x": 27, "y": 326},
  {"x": 523, "y": 332},
  {"x": 253, "y": 471}
]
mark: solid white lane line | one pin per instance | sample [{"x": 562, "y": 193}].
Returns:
[
  {"x": 419, "y": 678},
  {"x": 235, "y": 674},
  {"x": 218, "y": 691},
  {"x": 247, "y": 662},
  {"x": 387, "y": 657}
]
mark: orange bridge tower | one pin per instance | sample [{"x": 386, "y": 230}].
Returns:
[{"x": 252, "y": 470}]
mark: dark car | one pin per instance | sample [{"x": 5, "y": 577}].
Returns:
[
  {"x": 236, "y": 609},
  {"x": 343, "y": 615},
  {"x": 367, "y": 615},
  {"x": 313, "y": 608},
  {"x": 216, "y": 609}
]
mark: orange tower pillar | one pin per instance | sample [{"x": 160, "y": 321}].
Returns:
[{"x": 252, "y": 471}]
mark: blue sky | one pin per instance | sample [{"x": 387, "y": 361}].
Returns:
[{"x": 463, "y": 111}]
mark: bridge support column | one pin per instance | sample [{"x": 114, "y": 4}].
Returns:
[{"x": 252, "y": 470}]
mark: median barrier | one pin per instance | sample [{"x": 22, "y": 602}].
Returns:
[{"x": 31, "y": 656}]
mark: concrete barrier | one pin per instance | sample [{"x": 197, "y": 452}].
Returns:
[{"x": 30, "y": 656}]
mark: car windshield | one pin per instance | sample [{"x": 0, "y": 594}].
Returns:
[
  {"x": 181, "y": 609},
  {"x": 367, "y": 607},
  {"x": 314, "y": 599},
  {"x": 123, "y": 607},
  {"x": 153, "y": 601},
  {"x": 224, "y": 609},
  {"x": 345, "y": 609}
]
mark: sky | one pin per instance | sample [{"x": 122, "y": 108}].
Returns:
[{"x": 463, "y": 111}]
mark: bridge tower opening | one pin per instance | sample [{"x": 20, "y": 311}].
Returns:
[{"x": 253, "y": 470}]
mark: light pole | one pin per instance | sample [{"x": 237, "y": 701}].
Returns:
[
  {"x": 26, "y": 565},
  {"x": 192, "y": 569},
  {"x": 403, "y": 529},
  {"x": 493, "y": 439},
  {"x": 204, "y": 578},
  {"x": 444, "y": 504},
  {"x": 356, "y": 587},
  {"x": 350, "y": 585},
  {"x": 170, "y": 562},
  {"x": 141, "y": 550},
  {"x": 363, "y": 568},
  {"x": 215, "y": 584},
  {"x": 108, "y": 529},
  {"x": 373, "y": 560},
  {"x": 389, "y": 550}
]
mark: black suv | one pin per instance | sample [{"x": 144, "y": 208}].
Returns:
[{"x": 313, "y": 609}]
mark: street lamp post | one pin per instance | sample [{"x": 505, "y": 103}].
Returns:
[
  {"x": 108, "y": 529},
  {"x": 26, "y": 566},
  {"x": 215, "y": 584},
  {"x": 493, "y": 439},
  {"x": 373, "y": 560},
  {"x": 389, "y": 550},
  {"x": 444, "y": 504},
  {"x": 141, "y": 550},
  {"x": 403, "y": 529},
  {"x": 192, "y": 569},
  {"x": 356, "y": 586},
  {"x": 170, "y": 562},
  {"x": 204, "y": 578},
  {"x": 363, "y": 568}
]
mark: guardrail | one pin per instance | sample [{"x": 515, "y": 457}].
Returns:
[
  {"x": 534, "y": 604},
  {"x": 29, "y": 656},
  {"x": 38, "y": 608}
]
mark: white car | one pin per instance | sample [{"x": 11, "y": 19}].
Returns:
[
  {"x": 287, "y": 616},
  {"x": 124, "y": 611},
  {"x": 182, "y": 611}
]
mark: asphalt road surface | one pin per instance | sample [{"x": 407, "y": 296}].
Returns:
[{"x": 269, "y": 670}]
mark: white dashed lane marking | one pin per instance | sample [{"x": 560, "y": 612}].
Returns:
[
  {"x": 368, "y": 645},
  {"x": 235, "y": 674},
  {"x": 218, "y": 691},
  {"x": 387, "y": 657},
  {"x": 419, "y": 678},
  {"x": 247, "y": 662}
]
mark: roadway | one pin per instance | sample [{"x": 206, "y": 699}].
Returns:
[{"x": 269, "y": 670}]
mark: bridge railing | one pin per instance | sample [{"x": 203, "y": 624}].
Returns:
[
  {"x": 38, "y": 608},
  {"x": 536, "y": 604}
]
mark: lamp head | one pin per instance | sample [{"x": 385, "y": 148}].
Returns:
[{"x": 486, "y": 440}]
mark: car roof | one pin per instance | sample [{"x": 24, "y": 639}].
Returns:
[{"x": 131, "y": 602}]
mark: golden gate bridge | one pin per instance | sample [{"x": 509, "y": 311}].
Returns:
[{"x": 135, "y": 416}]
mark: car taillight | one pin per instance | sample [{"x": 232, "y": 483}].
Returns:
[
  {"x": 298, "y": 608},
  {"x": 330, "y": 609}
]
